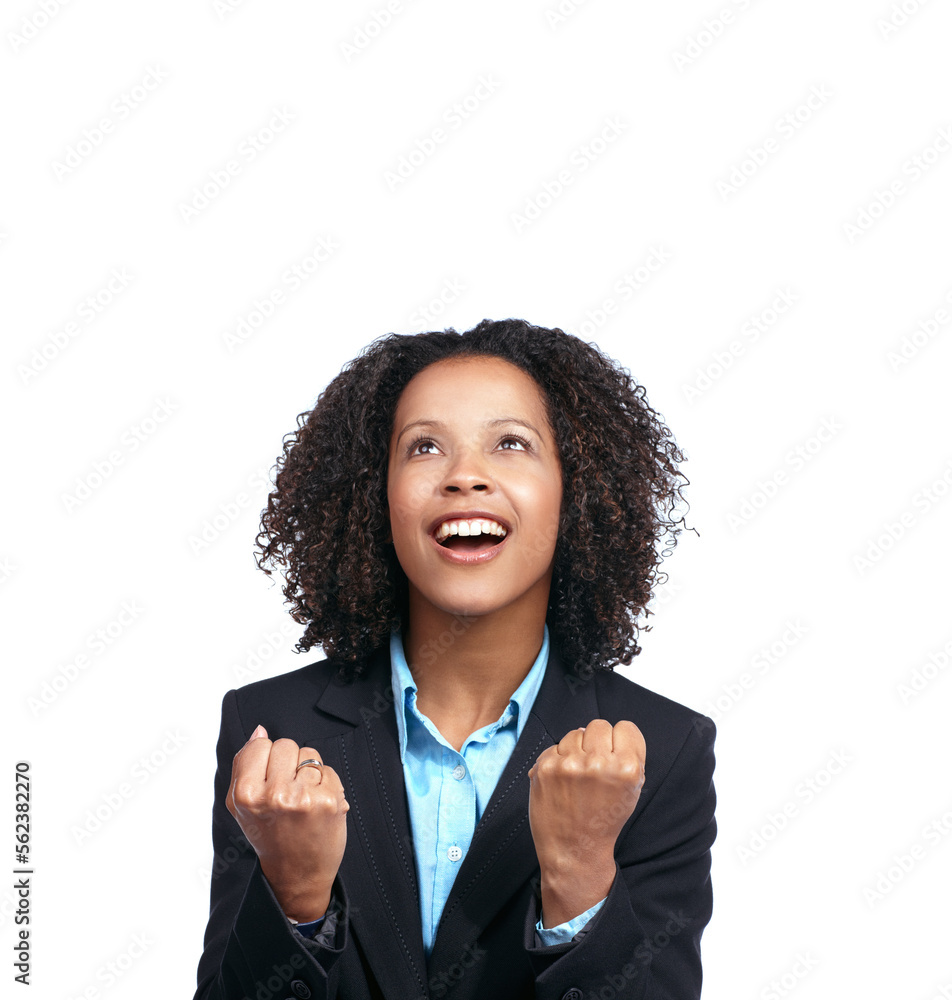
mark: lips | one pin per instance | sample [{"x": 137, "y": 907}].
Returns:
[{"x": 469, "y": 550}]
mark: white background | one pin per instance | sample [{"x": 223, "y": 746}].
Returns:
[{"x": 847, "y": 540}]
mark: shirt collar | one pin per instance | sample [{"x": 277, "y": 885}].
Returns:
[{"x": 405, "y": 688}]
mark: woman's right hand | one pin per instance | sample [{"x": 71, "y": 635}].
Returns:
[{"x": 295, "y": 820}]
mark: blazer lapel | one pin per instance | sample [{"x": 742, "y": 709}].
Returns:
[
  {"x": 502, "y": 854},
  {"x": 378, "y": 868}
]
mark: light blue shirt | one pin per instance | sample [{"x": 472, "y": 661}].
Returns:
[{"x": 447, "y": 790}]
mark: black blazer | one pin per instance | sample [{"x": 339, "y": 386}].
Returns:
[{"x": 643, "y": 943}]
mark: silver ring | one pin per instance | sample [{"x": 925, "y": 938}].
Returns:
[{"x": 311, "y": 762}]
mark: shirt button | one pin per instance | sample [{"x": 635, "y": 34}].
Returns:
[
  {"x": 454, "y": 853},
  {"x": 459, "y": 772}
]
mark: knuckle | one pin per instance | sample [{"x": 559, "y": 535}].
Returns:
[
  {"x": 298, "y": 806},
  {"x": 246, "y": 793},
  {"x": 630, "y": 768},
  {"x": 329, "y": 802},
  {"x": 546, "y": 765},
  {"x": 281, "y": 799},
  {"x": 572, "y": 766}
]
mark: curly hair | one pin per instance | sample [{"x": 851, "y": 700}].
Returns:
[{"x": 327, "y": 519}]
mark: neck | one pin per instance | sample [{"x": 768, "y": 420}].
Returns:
[{"x": 467, "y": 668}]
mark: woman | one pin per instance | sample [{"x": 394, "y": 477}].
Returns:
[{"x": 454, "y": 802}]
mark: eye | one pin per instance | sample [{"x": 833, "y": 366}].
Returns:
[
  {"x": 515, "y": 437},
  {"x": 422, "y": 439},
  {"x": 413, "y": 448}
]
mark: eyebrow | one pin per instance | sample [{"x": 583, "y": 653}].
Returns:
[{"x": 431, "y": 422}]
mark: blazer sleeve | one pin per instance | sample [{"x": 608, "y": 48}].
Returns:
[
  {"x": 250, "y": 945},
  {"x": 645, "y": 941}
]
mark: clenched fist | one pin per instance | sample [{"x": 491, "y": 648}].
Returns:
[
  {"x": 581, "y": 793},
  {"x": 296, "y": 820}
]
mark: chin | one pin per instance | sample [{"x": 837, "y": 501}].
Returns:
[{"x": 466, "y": 605}]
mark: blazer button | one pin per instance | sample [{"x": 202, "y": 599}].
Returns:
[
  {"x": 302, "y": 990},
  {"x": 573, "y": 994}
]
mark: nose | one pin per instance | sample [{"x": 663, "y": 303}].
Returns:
[{"x": 469, "y": 471}]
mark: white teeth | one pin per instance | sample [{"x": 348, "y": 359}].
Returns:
[{"x": 477, "y": 526}]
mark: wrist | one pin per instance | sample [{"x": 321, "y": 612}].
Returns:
[
  {"x": 562, "y": 868},
  {"x": 302, "y": 902},
  {"x": 569, "y": 890},
  {"x": 305, "y": 909}
]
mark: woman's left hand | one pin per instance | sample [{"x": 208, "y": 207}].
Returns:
[{"x": 581, "y": 793}]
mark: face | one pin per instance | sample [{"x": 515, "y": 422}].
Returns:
[{"x": 471, "y": 440}]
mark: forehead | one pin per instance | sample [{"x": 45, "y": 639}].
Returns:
[{"x": 464, "y": 385}]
